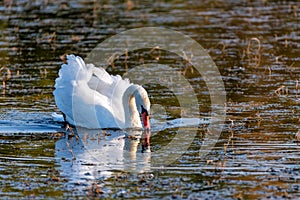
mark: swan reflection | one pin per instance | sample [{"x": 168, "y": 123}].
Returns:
[{"x": 94, "y": 154}]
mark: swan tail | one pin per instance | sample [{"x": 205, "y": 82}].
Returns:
[{"x": 70, "y": 71}]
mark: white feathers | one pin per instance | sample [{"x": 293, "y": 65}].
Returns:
[{"x": 92, "y": 98}]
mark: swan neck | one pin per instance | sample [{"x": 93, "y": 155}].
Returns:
[{"x": 132, "y": 119}]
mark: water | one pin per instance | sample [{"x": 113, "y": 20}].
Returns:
[{"x": 256, "y": 48}]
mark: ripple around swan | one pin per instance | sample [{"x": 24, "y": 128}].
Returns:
[
  {"x": 44, "y": 122},
  {"x": 28, "y": 122}
]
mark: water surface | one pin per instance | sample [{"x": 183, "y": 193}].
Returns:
[{"x": 256, "y": 46}]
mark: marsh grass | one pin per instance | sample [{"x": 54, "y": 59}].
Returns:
[
  {"x": 47, "y": 38},
  {"x": 297, "y": 88},
  {"x": 297, "y": 137},
  {"x": 282, "y": 90},
  {"x": 289, "y": 92},
  {"x": 230, "y": 138},
  {"x": 188, "y": 60},
  {"x": 5, "y": 75},
  {"x": 253, "y": 52}
]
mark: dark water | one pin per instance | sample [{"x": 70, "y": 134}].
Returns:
[{"x": 256, "y": 46}]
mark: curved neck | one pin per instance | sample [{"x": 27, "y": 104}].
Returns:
[{"x": 132, "y": 117}]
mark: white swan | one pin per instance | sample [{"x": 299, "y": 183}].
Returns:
[{"x": 90, "y": 97}]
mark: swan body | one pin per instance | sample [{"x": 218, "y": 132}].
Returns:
[{"x": 90, "y": 97}]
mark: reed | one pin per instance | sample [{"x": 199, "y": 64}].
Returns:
[
  {"x": 8, "y": 4},
  {"x": 223, "y": 47},
  {"x": 126, "y": 59},
  {"x": 230, "y": 138},
  {"x": 249, "y": 45},
  {"x": 294, "y": 9},
  {"x": 130, "y": 5},
  {"x": 254, "y": 55},
  {"x": 282, "y": 90},
  {"x": 71, "y": 150},
  {"x": 297, "y": 86},
  {"x": 70, "y": 137},
  {"x": 156, "y": 57},
  {"x": 94, "y": 191},
  {"x": 96, "y": 12},
  {"x": 49, "y": 38},
  {"x": 188, "y": 61},
  {"x": 268, "y": 70},
  {"x": 111, "y": 60},
  {"x": 277, "y": 59},
  {"x": 5, "y": 75},
  {"x": 43, "y": 73},
  {"x": 297, "y": 136}
]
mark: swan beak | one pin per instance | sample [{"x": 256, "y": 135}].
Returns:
[
  {"x": 145, "y": 119},
  {"x": 146, "y": 141}
]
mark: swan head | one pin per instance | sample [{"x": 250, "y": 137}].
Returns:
[{"x": 143, "y": 106}]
